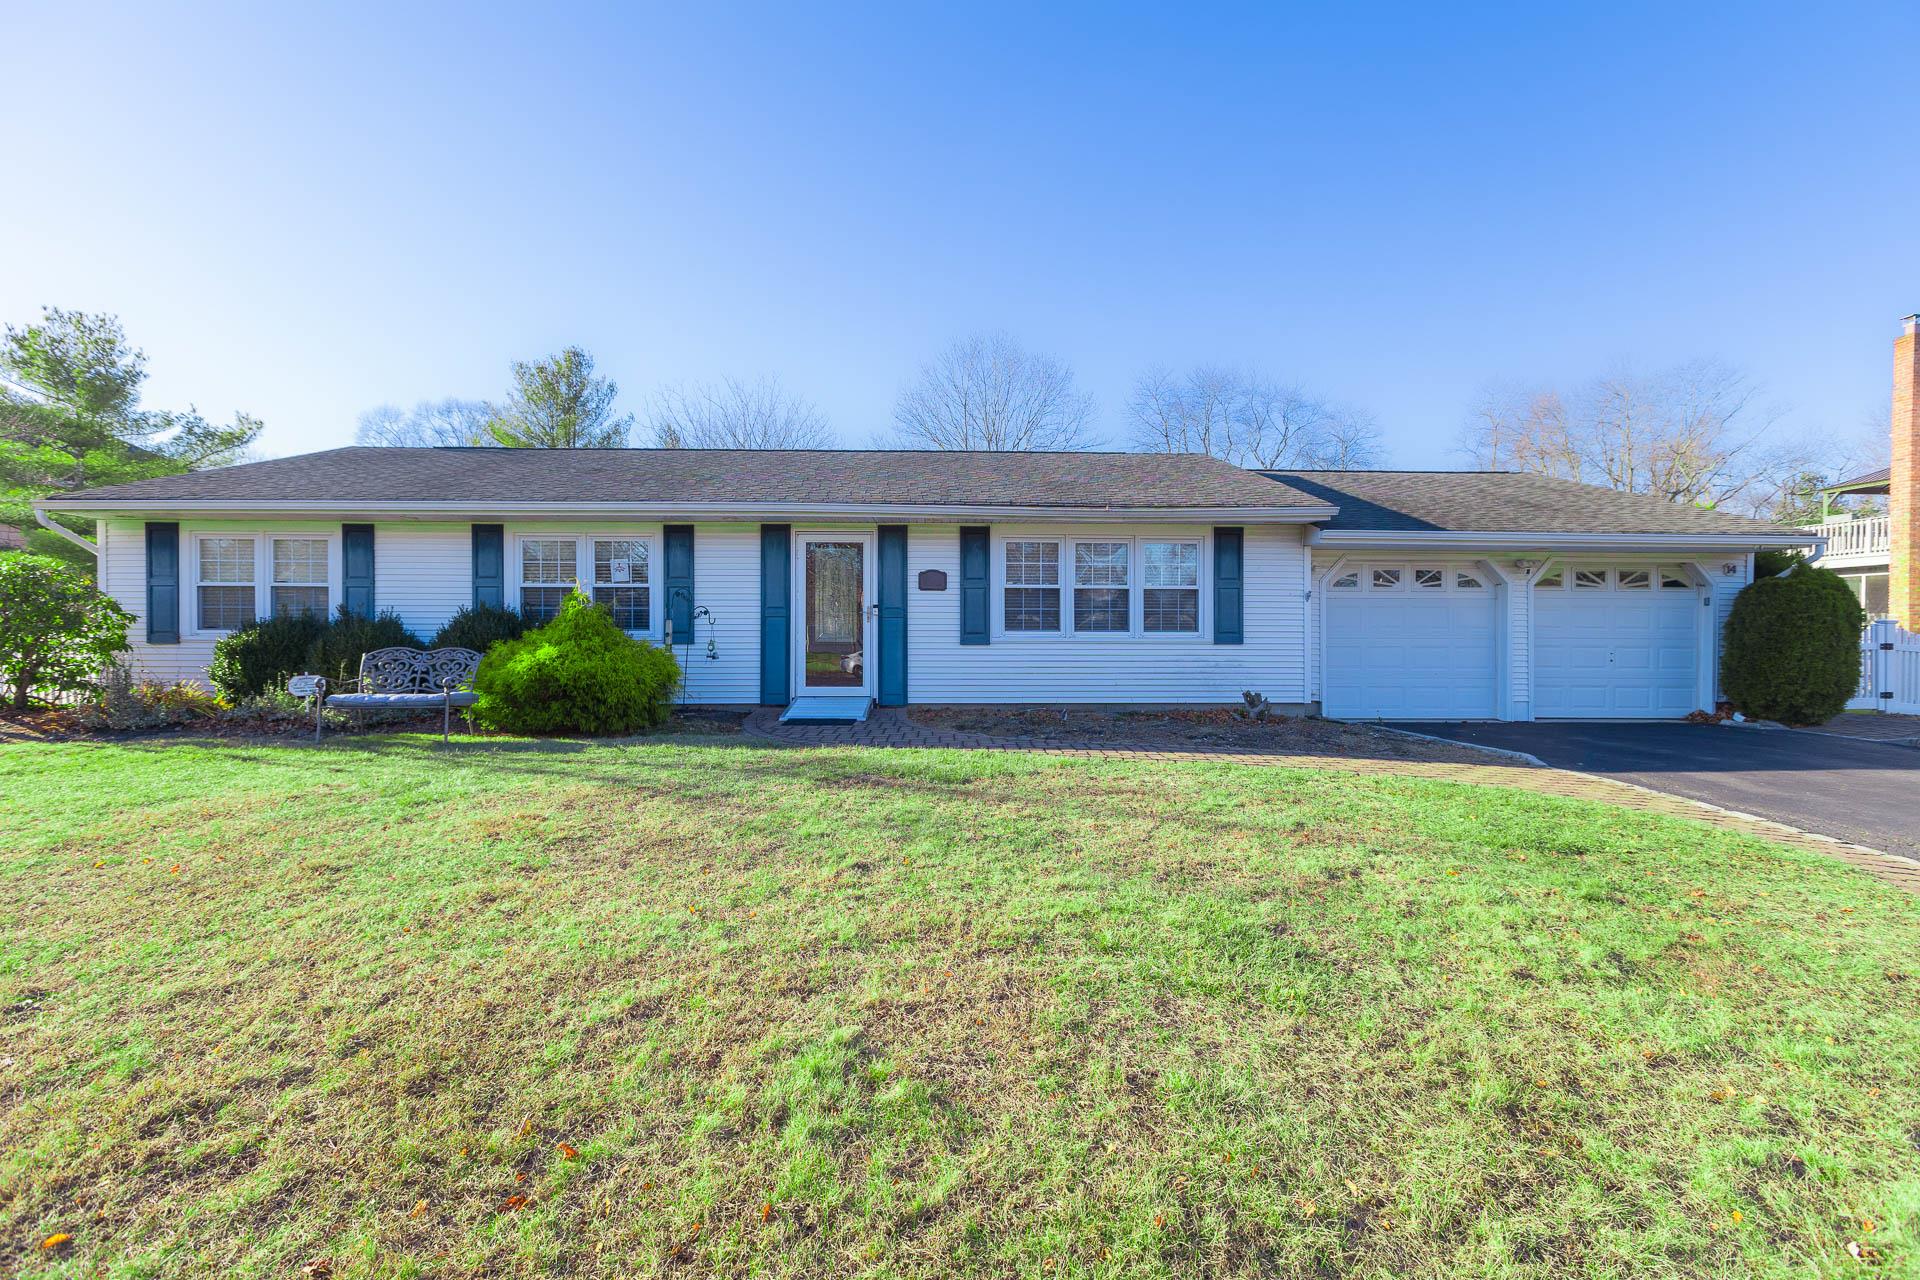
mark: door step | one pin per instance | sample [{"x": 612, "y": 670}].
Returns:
[{"x": 826, "y": 708}]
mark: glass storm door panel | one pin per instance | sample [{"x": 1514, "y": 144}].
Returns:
[{"x": 834, "y": 572}]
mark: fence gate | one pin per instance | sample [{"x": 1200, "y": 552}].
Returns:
[{"x": 1889, "y": 670}]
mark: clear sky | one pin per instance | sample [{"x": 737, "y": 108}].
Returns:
[{"x": 308, "y": 212}]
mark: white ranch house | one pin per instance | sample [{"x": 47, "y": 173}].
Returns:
[{"x": 843, "y": 578}]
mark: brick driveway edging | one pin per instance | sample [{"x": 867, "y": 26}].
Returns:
[{"x": 890, "y": 727}]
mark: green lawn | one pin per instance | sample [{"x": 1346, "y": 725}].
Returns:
[{"x": 719, "y": 1009}]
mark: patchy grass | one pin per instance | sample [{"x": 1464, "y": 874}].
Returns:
[{"x": 708, "y": 1008}]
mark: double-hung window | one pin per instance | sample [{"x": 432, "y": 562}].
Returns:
[
  {"x": 1032, "y": 588},
  {"x": 225, "y": 585},
  {"x": 621, "y": 582},
  {"x": 549, "y": 568},
  {"x": 299, "y": 577},
  {"x": 1100, "y": 585},
  {"x": 1170, "y": 592}
]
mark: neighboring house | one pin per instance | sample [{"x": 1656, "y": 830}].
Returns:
[
  {"x": 1859, "y": 546},
  {"x": 972, "y": 577},
  {"x": 1880, "y": 554}
]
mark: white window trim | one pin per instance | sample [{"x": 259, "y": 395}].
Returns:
[
  {"x": 262, "y": 569},
  {"x": 583, "y": 567},
  {"x": 1136, "y": 632}
]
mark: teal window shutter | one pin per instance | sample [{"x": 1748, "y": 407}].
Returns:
[
  {"x": 1229, "y": 585},
  {"x": 679, "y": 581},
  {"x": 490, "y": 565},
  {"x": 893, "y": 615},
  {"x": 356, "y": 568},
  {"x": 163, "y": 583},
  {"x": 974, "y": 555},
  {"x": 776, "y": 595}
]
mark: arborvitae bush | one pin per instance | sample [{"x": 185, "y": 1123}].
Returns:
[{"x": 1792, "y": 647}]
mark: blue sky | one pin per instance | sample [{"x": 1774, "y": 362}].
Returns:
[{"x": 304, "y": 214}]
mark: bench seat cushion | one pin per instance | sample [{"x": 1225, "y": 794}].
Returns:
[{"x": 376, "y": 701}]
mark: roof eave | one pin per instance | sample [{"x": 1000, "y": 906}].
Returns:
[
  {"x": 749, "y": 511},
  {"x": 1402, "y": 539}
]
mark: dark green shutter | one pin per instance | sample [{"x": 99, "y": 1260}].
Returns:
[
  {"x": 356, "y": 568},
  {"x": 893, "y": 615},
  {"x": 1229, "y": 584},
  {"x": 776, "y": 595},
  {"x": 974, "y": 556},
  {"x": 490, "y": 565},
  {"x": 679, "y": 580},
  {"x": 163, "y": 583}
]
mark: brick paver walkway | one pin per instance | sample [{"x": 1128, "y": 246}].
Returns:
[
  {"x": 1874, "y": 727},
  {"x": 889, "y": 727}
]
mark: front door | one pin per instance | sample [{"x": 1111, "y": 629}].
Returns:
[{"x": 833, "y": 589}]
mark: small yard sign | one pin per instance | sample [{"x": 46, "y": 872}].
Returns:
[{"x": 303, "y": 686}]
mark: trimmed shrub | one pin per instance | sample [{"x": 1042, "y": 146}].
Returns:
[
  {"x": 261, "y": 655},
  {"x": 479, "y": 627},
  {"x": 578, "y": 674},
  {"x": 1793, "y": 647},
  {"x": 57, "y": 632},
  {"x": 1775, "y": 561},
  {"x": 335, "y": 653}
]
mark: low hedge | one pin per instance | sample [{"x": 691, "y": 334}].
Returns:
[
  {"x": 258, "y": 657},
  {"x": 579, "y": 673},
  {"x": 479, "y": 627},
  {"x": 1792, "y": 647}
]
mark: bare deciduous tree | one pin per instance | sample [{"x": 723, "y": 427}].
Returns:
[
  {"x": 731, "y": 414},
  {"x": 1694, "y": 433},
  {"x": 988, "y": 392},
  {"x": 429, "y": 423},
  {"x": 1248, "y": 420}
]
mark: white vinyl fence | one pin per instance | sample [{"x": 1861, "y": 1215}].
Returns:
[{"x": 1889, "y": 670}]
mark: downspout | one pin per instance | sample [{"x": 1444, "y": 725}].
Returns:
[{"x": 47, "y": 522}]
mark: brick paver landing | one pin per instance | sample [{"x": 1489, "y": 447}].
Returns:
[{"x": 889, "y": 727}]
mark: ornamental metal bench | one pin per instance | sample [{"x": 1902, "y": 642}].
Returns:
[{"x": 404, "y": 679}]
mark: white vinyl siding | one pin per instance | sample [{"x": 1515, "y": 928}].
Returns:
[{"x": 1066, "y": 667}]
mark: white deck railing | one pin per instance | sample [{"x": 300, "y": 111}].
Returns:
[{"x": 1849, "y": 539}]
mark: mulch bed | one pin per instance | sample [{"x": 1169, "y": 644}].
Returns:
[
  {"x": 60, "y": 724},
  {"x": 1211, "y": 728}
]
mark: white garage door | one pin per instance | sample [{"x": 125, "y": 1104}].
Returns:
[
  {"x": 1410, "y": 641},
  {"x": 1616, "y": 641}
]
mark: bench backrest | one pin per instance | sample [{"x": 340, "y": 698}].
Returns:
[{"x": 416, "y": 670}]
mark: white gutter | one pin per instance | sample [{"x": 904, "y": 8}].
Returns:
[
  {"x": 773, "y": 511},
  {"x": 41, "y": 518},
  {"x": 1441, "y": 538}
]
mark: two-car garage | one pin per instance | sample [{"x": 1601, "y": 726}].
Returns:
[{"x": 1438, "y": 641}]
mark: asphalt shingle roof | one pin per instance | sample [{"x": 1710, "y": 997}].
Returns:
[
  {"x": 1883, "y": 475},
  {"x": 747, "y": 476},
  {"x": 1501, "y": 502}
]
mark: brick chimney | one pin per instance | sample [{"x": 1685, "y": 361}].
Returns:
[{"x": 1904, "y": 493}]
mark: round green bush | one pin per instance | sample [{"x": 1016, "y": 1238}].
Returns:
[
  {"x": 578, "y": 674},
  {"x": 479, "y": 627},
  {"x": 1792, "y": 647},
  {"x": 261, "y": 655},
  {"x": 335, "y": 653}
]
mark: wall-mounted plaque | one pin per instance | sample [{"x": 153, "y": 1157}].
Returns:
[{"x": 933, "y": 580}]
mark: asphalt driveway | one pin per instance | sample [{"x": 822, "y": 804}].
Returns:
[{"x": 1864, "y": 792}]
